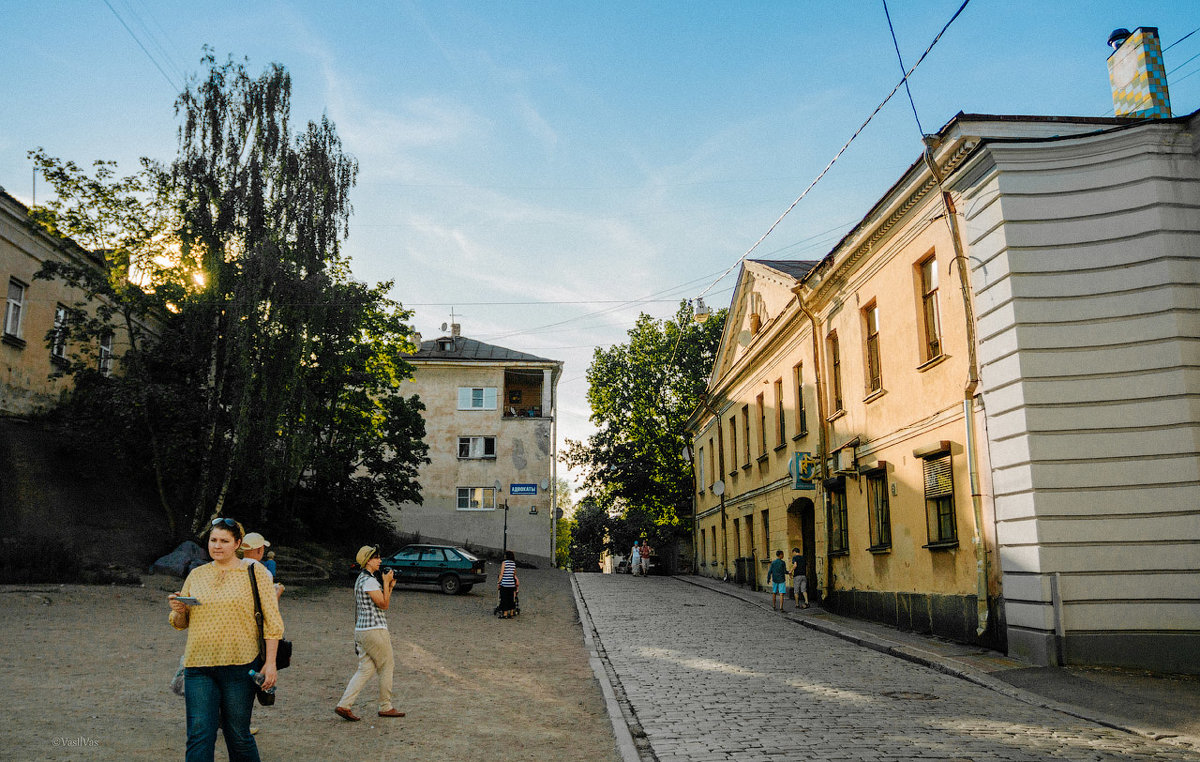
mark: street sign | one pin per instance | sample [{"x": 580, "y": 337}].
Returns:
[{"x": 522, "y": 489}]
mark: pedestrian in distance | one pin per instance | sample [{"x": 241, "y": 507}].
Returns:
[
  {"x": 799, "y": 578},
  {"x": 777, "y": 579},
  {"x": 372, "y": 641},
  {"x": 635, "y": 558},
  {"x": 508, "y": 585},
  {"x": 645, "y": 552},
  {"x": 254, "y": 545},
  {"x": 216, "y": 607}
]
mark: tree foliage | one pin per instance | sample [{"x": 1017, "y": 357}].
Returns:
[
  {"x": 564, "y": 525},
  {"x": 641, "y": 394},
  {"x": 272, "y": 387}
]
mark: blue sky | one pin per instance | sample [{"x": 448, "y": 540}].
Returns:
[{"x": 562, "y": 158}]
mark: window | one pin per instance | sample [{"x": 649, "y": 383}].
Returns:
[
  {"x": 700, "y": 470},
  {"x": 733, "y": 449},
  {"x": 720, "y": 464},
  {"x": 835, "y": 372},
  {"x": 476, "y": 447},
  {"x": 930, "y": 318},
  {"x": 434, "y": 554},
  {"x": 745, "y": 436},
  {"x": 714, "y": 544},
  {"x": 58, "y": 347},
  {"x": 737, "y": 538},
  {"x": 765, "y": 523},
  {"x": 13, "y": 308},
  {"x": 477, "y": 398},
  {"x": 880, "y": 519},
  {"x": 476, "y": 498},
  {"x": 106, "y": 354},
  {"x": 801, "y": 418},
  {"x": 939, "y": 500},
  {"x": 874, "y": 367},
  {"x": 839, "y": 535},
  {"x": 779, "y": 411},
  {"x": 761, "y": 410}
]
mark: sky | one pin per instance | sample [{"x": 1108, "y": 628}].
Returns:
[{"x": 549, "y": 170}]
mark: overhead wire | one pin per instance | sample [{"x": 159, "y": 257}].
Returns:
[
  {"x": 153, "y": 60},
  {"x": 842, "y": 150}
]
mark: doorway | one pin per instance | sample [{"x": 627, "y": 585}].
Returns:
[{"x": 802, "y": 526}]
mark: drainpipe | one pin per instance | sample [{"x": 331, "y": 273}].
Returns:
[
  {"x": 816, "y": 342},
  {"x": 964, "y": 282}
]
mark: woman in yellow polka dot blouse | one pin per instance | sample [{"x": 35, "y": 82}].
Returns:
[{"x": 222, "y": 645}]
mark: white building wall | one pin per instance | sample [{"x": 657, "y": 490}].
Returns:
[{"x": 1086, "y": 269}]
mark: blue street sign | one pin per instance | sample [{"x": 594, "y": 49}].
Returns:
[
  {"x": 522, "y": 489},
  {"x": 803, "y": 468}
]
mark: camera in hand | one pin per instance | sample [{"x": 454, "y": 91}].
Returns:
[{"x": 383, "y": 572}]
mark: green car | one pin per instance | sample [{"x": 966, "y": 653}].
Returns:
[{"x": 452, "y": 569}]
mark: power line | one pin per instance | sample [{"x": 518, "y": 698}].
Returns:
[
  {"x": 896, "y": 45},
  {"x": 1181, "y": 39},
  {"x": 166, "y": 76},
  {"x": 842, "y": 150}
]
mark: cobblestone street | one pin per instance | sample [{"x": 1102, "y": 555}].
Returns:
[{"x": 710, "y": 677}]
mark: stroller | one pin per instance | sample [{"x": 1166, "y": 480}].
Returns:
[{"x": 516, "y": 606}]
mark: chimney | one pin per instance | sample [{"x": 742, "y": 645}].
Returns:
[
  {"x": 1137, "y": 74},
  {"x": 455, "y": 330},
  {"x": 416, "y": 339}
]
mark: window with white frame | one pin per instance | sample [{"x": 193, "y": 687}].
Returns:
[
  {"x": 58, "y": 347},
  {"x": 14, "y": 307},
  {"x": 476, "y": 398},
  {"x": 476, "y": 498},
  {"x": 477, "y": 447},
  {"x": 106, "y": 354}
]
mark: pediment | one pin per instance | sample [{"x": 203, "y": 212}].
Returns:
[{"x": 763, "y": 291}]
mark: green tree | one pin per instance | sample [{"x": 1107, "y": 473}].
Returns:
[
  {"x": 589, "y": 535},
  {"x": 273, "y": 385},
  {"x": 564, "y": 525},
  {"x": 641, "y": 394}
]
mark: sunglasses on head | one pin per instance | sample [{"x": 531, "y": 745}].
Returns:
[{"x": 228, "y": 523}]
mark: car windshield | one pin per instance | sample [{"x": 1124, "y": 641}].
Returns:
[{"x": 466, "y": 555}]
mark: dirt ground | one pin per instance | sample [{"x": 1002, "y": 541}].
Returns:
[{"x": 85, "y": 673}]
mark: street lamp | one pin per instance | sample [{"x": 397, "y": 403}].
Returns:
[{"x": 498, "y": 487}]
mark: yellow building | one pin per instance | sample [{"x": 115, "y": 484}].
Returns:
[
  {"x": 976, "y": 414},
  {"x": 31, "y": 310},
  {"x": 490, "y": 427}
]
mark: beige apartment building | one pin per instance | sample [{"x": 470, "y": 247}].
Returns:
[
  {"x": 32, "y": 308},
  {"x": 979, "y": 414},
  {"x": 490, "y": 427}
]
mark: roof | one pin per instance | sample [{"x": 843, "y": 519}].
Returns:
[
  {"x": 471, "y": 350},
  {"x": 795, "y": 268}
]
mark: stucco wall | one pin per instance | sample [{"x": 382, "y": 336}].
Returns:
[{"x": 1086, "y": 257}]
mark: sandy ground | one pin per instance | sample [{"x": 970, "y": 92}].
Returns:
[{"x": 85, "y": 670}]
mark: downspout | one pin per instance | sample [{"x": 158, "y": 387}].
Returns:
[
  {"x": 816, "y": 347},
  {"x": 964, "y": 282}
]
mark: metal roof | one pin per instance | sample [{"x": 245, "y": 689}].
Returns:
[{"x": 462, "y": 348}]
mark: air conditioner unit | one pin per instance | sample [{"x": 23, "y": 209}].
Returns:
[{"x": 844, "y": 461}]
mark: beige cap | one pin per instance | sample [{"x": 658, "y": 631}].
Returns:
[
  {"x": 366, "y": 553},
  {"x": 254, "y": 540}
]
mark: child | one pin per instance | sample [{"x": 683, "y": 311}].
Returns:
[{"x": 777, "y": 578}]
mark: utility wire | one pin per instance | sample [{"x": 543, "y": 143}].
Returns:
[
  {"x": 842, "y": 150},
  {"x": 154, "y": 61},
  {"x": 907, "y": 89},
  {"x": 1181, "y": 39}
]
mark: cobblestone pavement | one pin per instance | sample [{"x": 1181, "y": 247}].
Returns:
[{"x": 708, "y": 677}]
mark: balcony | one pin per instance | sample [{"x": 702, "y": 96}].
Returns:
[{"x": 524, "y": 393}]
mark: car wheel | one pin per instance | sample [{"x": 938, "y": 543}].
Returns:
[
  {"x": 450, "y": 584},
  {"x": 465, "y": 589}
]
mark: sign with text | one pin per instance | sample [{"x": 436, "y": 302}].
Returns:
[
  {"x": 522, "y": 489},
  {"x": 803, "y": 468}
]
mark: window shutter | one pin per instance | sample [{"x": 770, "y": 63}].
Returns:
[
  {"x": 464, "y": 398},
  {"x": 489, "y": 398},
  {"x": 939, "y": 478}
]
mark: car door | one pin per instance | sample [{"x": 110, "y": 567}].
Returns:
[
  {"x": 406, "y": 563},
  {"x": 433, "y": 564}
]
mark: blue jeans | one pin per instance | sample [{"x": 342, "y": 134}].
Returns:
[{"x": 220, "y": 696}]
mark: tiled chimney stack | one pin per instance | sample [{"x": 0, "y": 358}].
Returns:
[{"x": 1137, "y": 74}]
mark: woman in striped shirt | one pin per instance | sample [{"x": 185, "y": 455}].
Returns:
[{"x": 508, "y": 585}]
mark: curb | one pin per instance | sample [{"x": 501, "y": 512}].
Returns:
[
  {"x": 936, "y": 662},
  {"x": 625, "y": 744}
]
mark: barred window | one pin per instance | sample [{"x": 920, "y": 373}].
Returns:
[
  {"x": 879, "y": 518},
  {"x": 939, "y": 500},
  {"x": 839, "y": 536}
]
